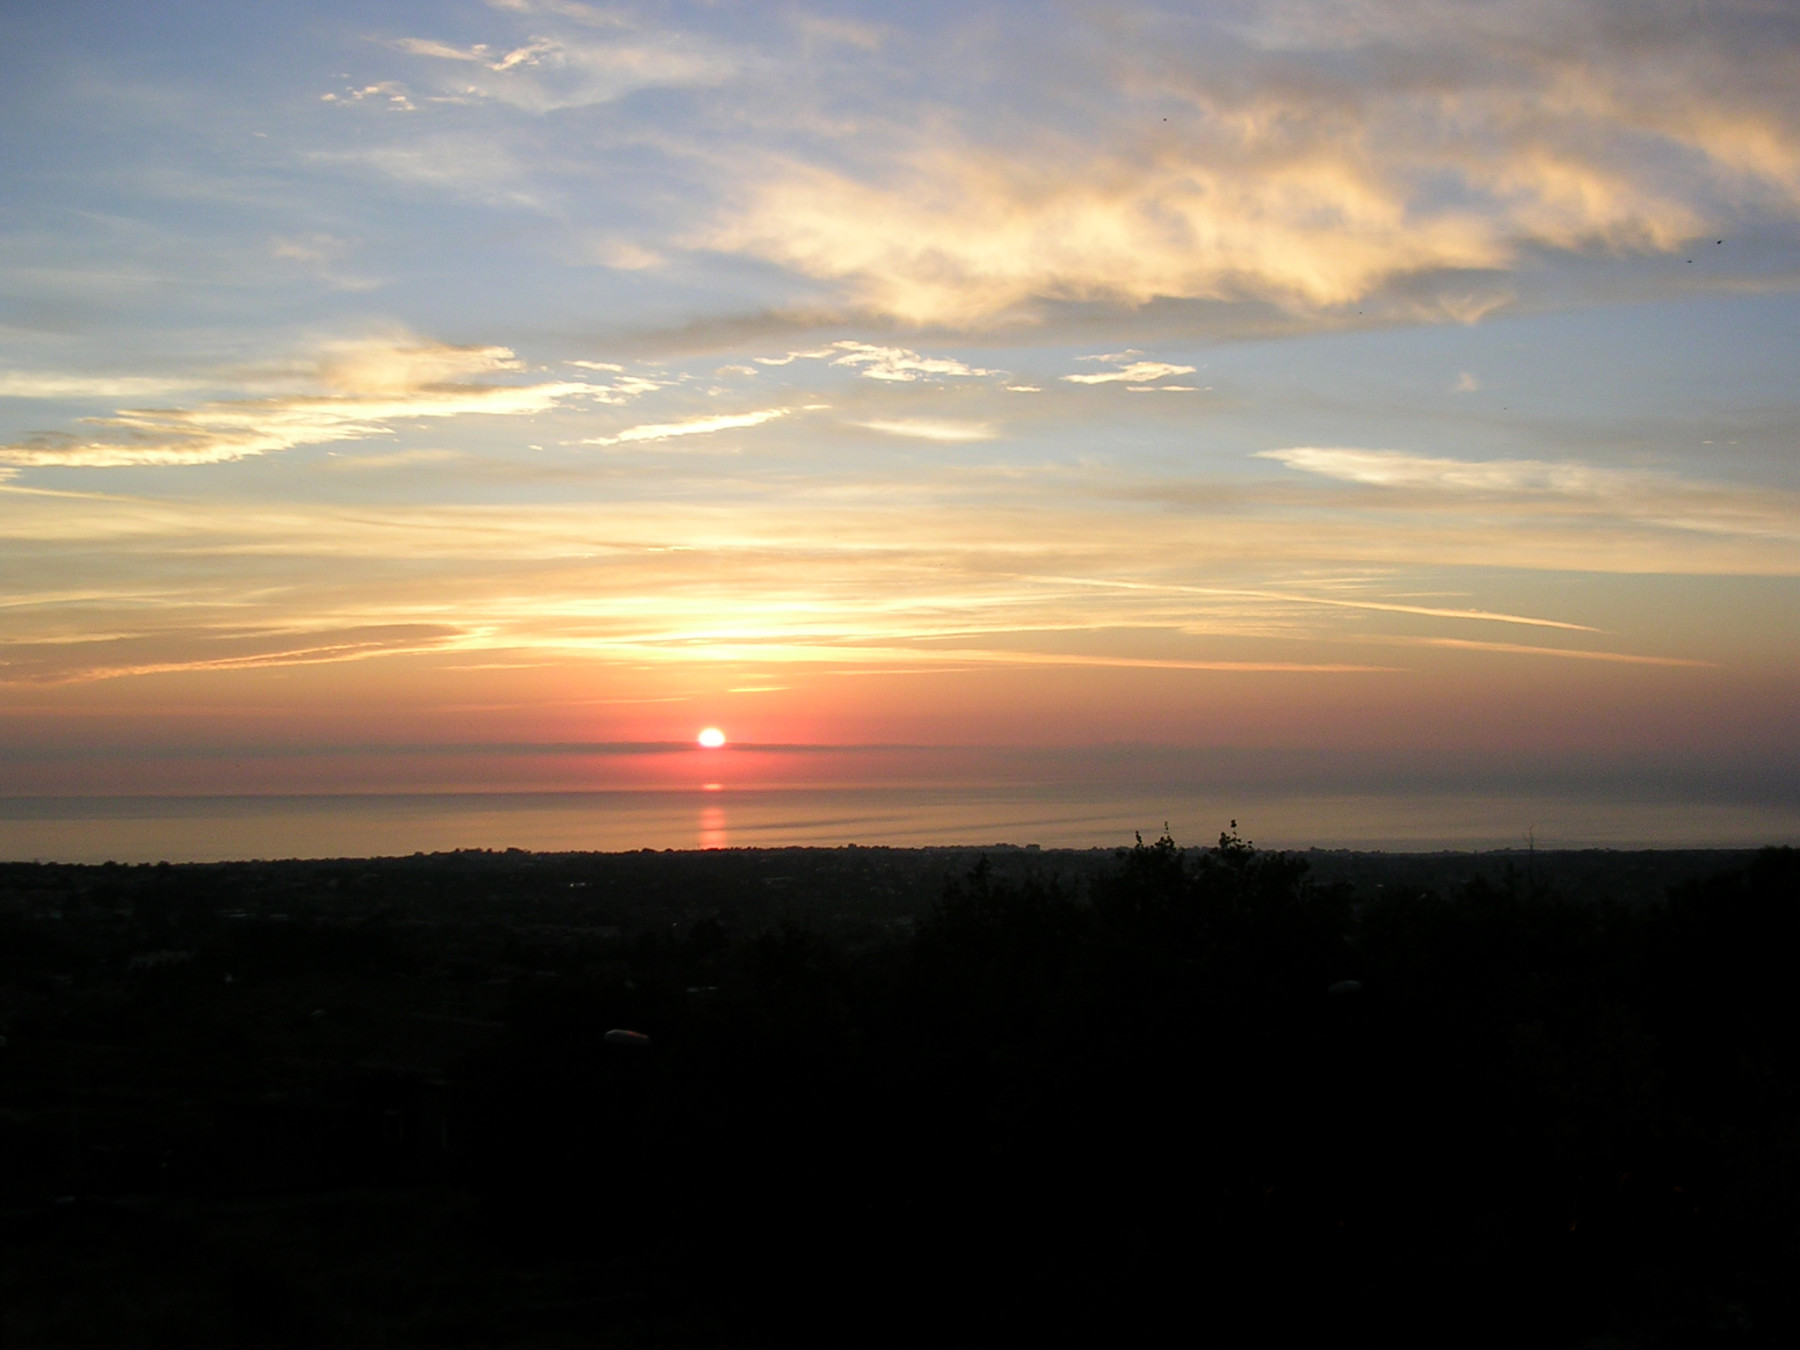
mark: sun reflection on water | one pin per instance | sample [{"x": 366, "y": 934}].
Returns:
[{"x": 712, "y": 828}]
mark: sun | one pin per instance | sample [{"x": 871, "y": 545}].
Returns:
[{"x": 712, "y": 738}]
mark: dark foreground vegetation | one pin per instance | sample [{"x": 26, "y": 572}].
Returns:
[{"x": 903, "y": 1097}]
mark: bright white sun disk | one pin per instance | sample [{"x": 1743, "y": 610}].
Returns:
[{"x": 712, "y": 738}]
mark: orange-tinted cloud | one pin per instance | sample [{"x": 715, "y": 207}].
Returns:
[{"x": 365, "y": 386}]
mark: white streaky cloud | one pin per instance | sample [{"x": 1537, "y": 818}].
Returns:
[
  {"x": 1566, "y": 653},
  {"x": 548, "y": 73},
  {"x": 1328, "y": 602},
  {"x": 900, "y": 364},
  {"x": 479, "y": 54},
  {"x": 217, "y": 433},
  {"x": 1023, "y": 389},
  {"x": 1648, "y": 497},
  {"x": 365, "y": 385},
  {"x": 1398, "y": 469},
  {"x": 266, "y": 650},
  {"x": 527, "y": 55},
  {"x": 896, "y": 364},
  {"x": 622, "y": 255},
  {"x": 696, "y": 426},
  {"x": 818, "y": 354},
  {"x": 320, "y": 249},
  {"x": 399, "y": 459},
  {"x": 621, "y": 390},
  {"x": 1138, "y": 372},
  {"x": 468, "y": 164},
  {"x": 53, "y": 385},
  {"x": 396, "y": 96},
  {"x": 398, "y": 362},
  {"x": 322, "y": 253},
  {"x": 931, "y": 429},
  {"x": 443, "y": 51},
  {"x": 1001, "y": 657}
]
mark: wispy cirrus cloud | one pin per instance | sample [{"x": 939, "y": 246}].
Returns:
[
  {"x": 788, "y": 358},
  {"x": 323, "y": 255},
  {"x": 932, "y": 429},
  {"x": 547, "y": 73},
  {"x": 897, "y": 365},
  {"x": 908, "y": 567},
  {"x": 693, "y": 426},
  {"x": 390, "y": 94},
  {"x": 621, "y": 387},
  {"x": 1398, "y": 468},
  {"x": 900, "y": 364},
  {"x": 1558, "y": 653},
  {"x": 1329, "y": 602},
  {"x": 58, "y": 384},
  {"x": 213, "y": 649},
  {"x": 465, "y": 163},
  {"x": 1136, "y": 372},
  {"x": 1651, "y": 497},
  {"x": 357, "y": 390}
]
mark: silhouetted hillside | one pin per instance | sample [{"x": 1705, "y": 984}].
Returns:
[{"x": 903, "y": 1097}]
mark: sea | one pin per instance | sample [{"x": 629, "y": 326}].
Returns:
[{"x": 139, "y": 829}]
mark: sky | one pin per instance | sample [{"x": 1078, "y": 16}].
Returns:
[{"x": 1321, "y": 398}]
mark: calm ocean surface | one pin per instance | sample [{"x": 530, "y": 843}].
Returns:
[{"x": 198, "y": 829}]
